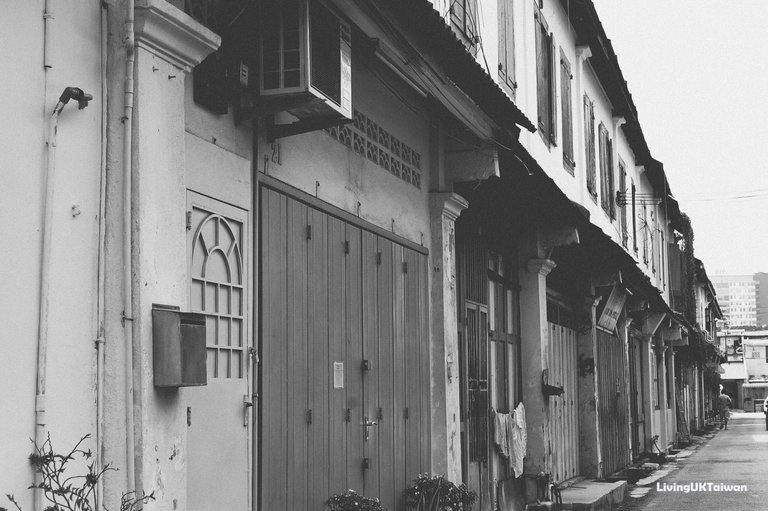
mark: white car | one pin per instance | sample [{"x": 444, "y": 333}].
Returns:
[{"x": 765, "y": 411}]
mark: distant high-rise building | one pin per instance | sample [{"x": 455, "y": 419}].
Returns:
[
  {"x": 737, "y": 296},
  {"x": 762, "y": 299}
]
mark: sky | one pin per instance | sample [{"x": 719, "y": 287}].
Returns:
[{"x": 698, "y": 74}]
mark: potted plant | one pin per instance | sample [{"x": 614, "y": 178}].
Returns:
[
  {"x": 350, "y": 500},
  {"x": 435, "y": 493}
]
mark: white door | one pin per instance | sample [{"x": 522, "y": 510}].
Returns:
[{"x": 219, "y": 414}]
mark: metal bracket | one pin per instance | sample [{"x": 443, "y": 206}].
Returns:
[
  {"x": 124, "y": 318},
  {"x": 275, "y": 131},
  {"x": 254, "y": 354}
]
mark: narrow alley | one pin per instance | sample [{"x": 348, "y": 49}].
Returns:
[{"x": 731, "y": 460}]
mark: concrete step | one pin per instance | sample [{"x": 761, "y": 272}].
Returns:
[{"x": 593, "y": 495}]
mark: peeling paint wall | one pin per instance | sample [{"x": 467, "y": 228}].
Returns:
[{"x": 29, "y": 100}]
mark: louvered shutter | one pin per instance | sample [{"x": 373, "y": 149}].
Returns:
[
  {"x": 565, "y": 96},
  {"x": 552, "y": 88},
  {"x": 507, "y": 46}
]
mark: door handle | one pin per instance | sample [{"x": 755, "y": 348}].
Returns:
[
  {"x": 247, "y": 404},
  {"x": 366, "y": 423}
]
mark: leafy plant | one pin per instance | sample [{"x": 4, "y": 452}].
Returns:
[
  {"x": 351, "y": 500},
  {"x": 435, "y": 493},
  {"x": 67, "y": 492}
]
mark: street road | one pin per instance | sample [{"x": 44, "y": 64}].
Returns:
[{"x": 734, "y": 457}]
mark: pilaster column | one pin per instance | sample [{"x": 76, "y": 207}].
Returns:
[
  {"x": 535, "y": 358},
  {"x": 660, "y": 427},
  {"x": 671, "y": 390},
  {"x": 168, "y": 44},
  {"x": 444, "y": 209}
]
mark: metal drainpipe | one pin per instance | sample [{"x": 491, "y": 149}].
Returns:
[
  {"x": 45, "y": 271},
  {"x": 100, "y": 284},
  {"x": 42, "y": 327},
  {"x": 47, "y": 40},
  {"x": 127, "y": 240}
]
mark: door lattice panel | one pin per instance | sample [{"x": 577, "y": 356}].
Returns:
[{"x": 217, "y": 290}]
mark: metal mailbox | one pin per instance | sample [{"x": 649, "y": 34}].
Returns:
[{"x": 178, "y": 347}]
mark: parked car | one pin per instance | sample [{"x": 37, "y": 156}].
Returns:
[{"x": 765, "y": 411}]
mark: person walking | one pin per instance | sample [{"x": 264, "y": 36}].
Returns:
[{"x": 724, "y": 403}]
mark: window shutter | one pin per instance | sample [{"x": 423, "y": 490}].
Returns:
[
  {"x": 623, "y": 211},
  {"x": 541, "y": 70},
  {"x": 611, "y": 184},
  {"x": 589, "y": 136},
  {"x": 463, "y": 16},
  {"x": 507, "y": 45},
  {"x": 565, "y": 97},
  {"x": 604, "y": 168},
  {"x": 552, "y": 86},
  {"x": 470, "y": 20}
]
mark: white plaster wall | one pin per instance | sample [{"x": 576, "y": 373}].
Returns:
[
  {"x": 550, "y": 158},
  {"x": 584, "y": 80},
  {"x": 346, "y": 178},
  {"x": 219, "y": 130},
  {"x": 75, "y": 33},
  {"x": 160, "y": 275}
]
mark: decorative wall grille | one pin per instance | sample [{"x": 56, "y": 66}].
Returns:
[
  {"x": 217, "y": 291},
  {"x": 368, "y": 139}
]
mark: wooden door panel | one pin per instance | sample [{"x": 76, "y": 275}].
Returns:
[
  {"x": 295, "y": 346},
  {"x": 426, "y": 409},
  {"x": 370, "y": 376},
  {"x": 337, "y": 335},
  {"x": 317, "y": 339},
  {"x": 613, "y": 402},
  {"x": 400, "y": 338},
  {"x": 274, "y": 367},
  {"x": 385, "y": 363},
  {"x": 354, "y": 355},
  {"x": 413, "y": 363},
  {"x": 564, "y": 419}
]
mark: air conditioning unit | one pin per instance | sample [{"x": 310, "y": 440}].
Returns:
[{"x": 305, "y": 55}]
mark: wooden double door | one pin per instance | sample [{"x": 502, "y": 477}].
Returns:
[
  {"x": 637, "y": 393},
  {"x": 614, "y": 416},
  {"x": 344, "y": 371}
]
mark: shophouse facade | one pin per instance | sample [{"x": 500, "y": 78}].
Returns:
[{"x": 375, "y": 235}]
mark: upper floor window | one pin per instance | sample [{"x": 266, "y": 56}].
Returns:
[
  {"x": 607, "y": 186},
  {"x": 634, "y": 218},
  {"x": 507, "y": 47},
  {"x": 565, "y": 106},
  {"x": 623, "y": 210},
  {"x": 646, "y": 233},
  {"x": 464, "y": 18},
  {"x": 545, "y": 79},
  {"x": 589, "y": 145}
]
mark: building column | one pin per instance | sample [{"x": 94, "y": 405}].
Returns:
[
  {"x": 623, "y": 329},
  {"x": 169, "y": 43},
  {"x": 649, "y": 360},
  {"x": 589, "y": 398},
  {"x": 670, "y": 356},
  {"x": 659, "y": 359},
  {"x": 444, "y": 209},
  {"x": 535, "y": 358}
]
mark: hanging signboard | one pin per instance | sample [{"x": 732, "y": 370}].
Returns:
[{"x": 612, "y": 309}]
